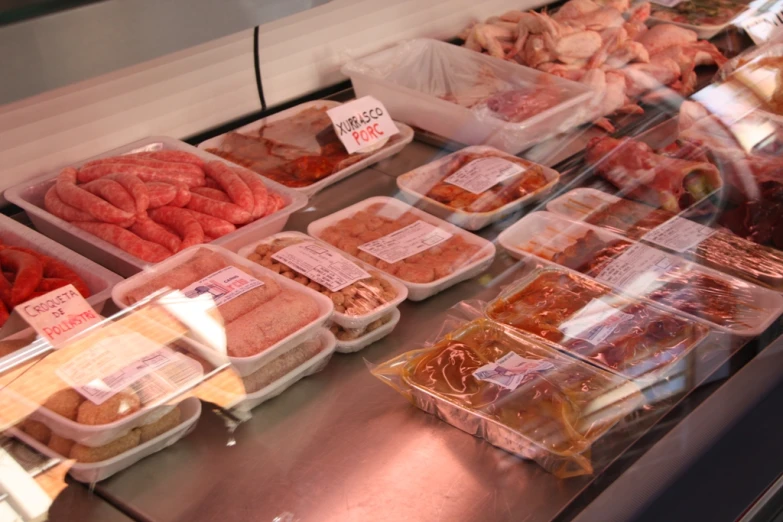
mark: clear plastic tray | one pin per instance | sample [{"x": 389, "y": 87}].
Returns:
[
  {"x": 406, "y": 134},
  {"x": 344, "y": 320},
  {"x": 99, "y": 280},
  {"x": 418, "y": 291},
  {"x": 415, "y": 184},
  {"x": 30, "y": 197},
  {"x": 407, "y": 79},
  {"x": 314, "y": 365},
  {"x": 243, "y": 365},
  {"x": 539, "y": 226},
  {"x": 366, "y": 340},
  {"x": 95, "y": 472}
]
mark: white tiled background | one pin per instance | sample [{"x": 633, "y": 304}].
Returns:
[{"x": 187, "y": 92}]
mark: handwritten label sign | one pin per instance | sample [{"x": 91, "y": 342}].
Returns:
[
  {"x": 362, "y": 124},
  {"x": 58, "y": 315}
]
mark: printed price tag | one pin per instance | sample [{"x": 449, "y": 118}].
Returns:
[
  {"x": 406, "y": 242},
  {"x": 59, "y": 314},
  {"x": 482, "y": 174},
  {"x": 321, "y": 264},
  {"x": 113, "y": 364},
  {"x": 224, "y": 285},
  {"x": 362, "y": 123},
  {"x": 511, "y": 370},
  {"x": 595, "y": 322},
  {"x": 678, "y": 234},
  {"x": 636, "y": 268}
]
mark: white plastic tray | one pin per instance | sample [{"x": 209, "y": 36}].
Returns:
[
  {"x": 704, "y": 32},
  {"x": 406, "y": 133},
  {"x": 30, "y": 196},
  {"x": 366, "y": 340},
  {"x": 99, "y": 280},
  {"x": 394, "y": 207},
  {"x": 314, "y": 365},
  {"x": 345, "y": 320},
  {"x": 427, "y": 111},
  {"x": 244, "y": 365},
  {"x": 416, "y": 183},
  {"x": 538, "y": 225},
  {"x": 94, "y": 472}
]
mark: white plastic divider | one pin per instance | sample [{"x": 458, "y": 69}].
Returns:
[
  {"x": 30, "y": 197},
  {"x": 415, "y": 184},
  {"x": 344, "y": 320},
  {"x": 88, "y": 473},
  {"x": 394, "y": 208},
  {"x": 540, "y": 226},
  {"x": 406, "y": 134},
  {"x": 98, "y": 279},
  {"x": 244, "y": 365},
  {"x": 309, "y": 367},
  {"x": 366, "y": 340}
]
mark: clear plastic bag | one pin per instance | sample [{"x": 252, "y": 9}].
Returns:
[
  {"x": 468, "y": 97},
  {"x": 491, "y": 381}
]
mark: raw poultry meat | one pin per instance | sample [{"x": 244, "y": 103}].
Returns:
[{"x": 604, "y": 44}]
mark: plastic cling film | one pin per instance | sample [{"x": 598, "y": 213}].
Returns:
[
  {"x": 587, "y": 320},
  {"x": 468, "y": 97},
  {"x": 552, "y": 416},
  {"x": 361, "y": 296}
]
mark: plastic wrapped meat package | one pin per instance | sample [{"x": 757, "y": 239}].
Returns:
[
  {"x": 723, "y": 302},
  {"x": 360, "y": 293},
  {"x": 491, "y": 381},
  {"x": 299, "y": 148},
  {"x": 476, "y": 186},
  {"x": 715, "y": 248},
  {"x": 110, "y": 395},
  {"x": 427, "y": 254},
  {"x": 590, "y": 321},
  {"x": 467, "y": 97},
  {"x": 260, "y": 314}
]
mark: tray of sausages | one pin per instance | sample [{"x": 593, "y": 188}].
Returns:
[
  {"x": 723, "y": 302},
  {"x": 33, "y": 264},
  {"x": 426, "y": 253},
  {"x": 476, "y": 186},
  {"x": 263, "y": 314},
  {"x": 141, "y": 203}
]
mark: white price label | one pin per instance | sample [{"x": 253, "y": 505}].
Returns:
[
  {"x": 321, "y": 264},
  {"x": 361, "y": 124},
  {"x": 112, "y": 365},
  {"x": 511, "y": 370},
  {"x": 406, "y": 242},
  {"x": 224, "y": 285},
  {"x": 678, "y": 234},
  {"x": 594, "y": 322},
  {"x": 636, "y": 268},
  {"x": 59, "y": 314},
  {"x": 482, "y": 174}
]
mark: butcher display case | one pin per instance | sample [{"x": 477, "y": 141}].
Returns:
[{"x": 497, "y": 262}]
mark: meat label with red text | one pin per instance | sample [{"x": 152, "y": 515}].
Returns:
[
  {"x": 58, "y": 315},
  {"x": 361, "y": 124}
]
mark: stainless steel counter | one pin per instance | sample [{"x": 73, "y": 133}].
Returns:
[{"x": 341, "y": 446}]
